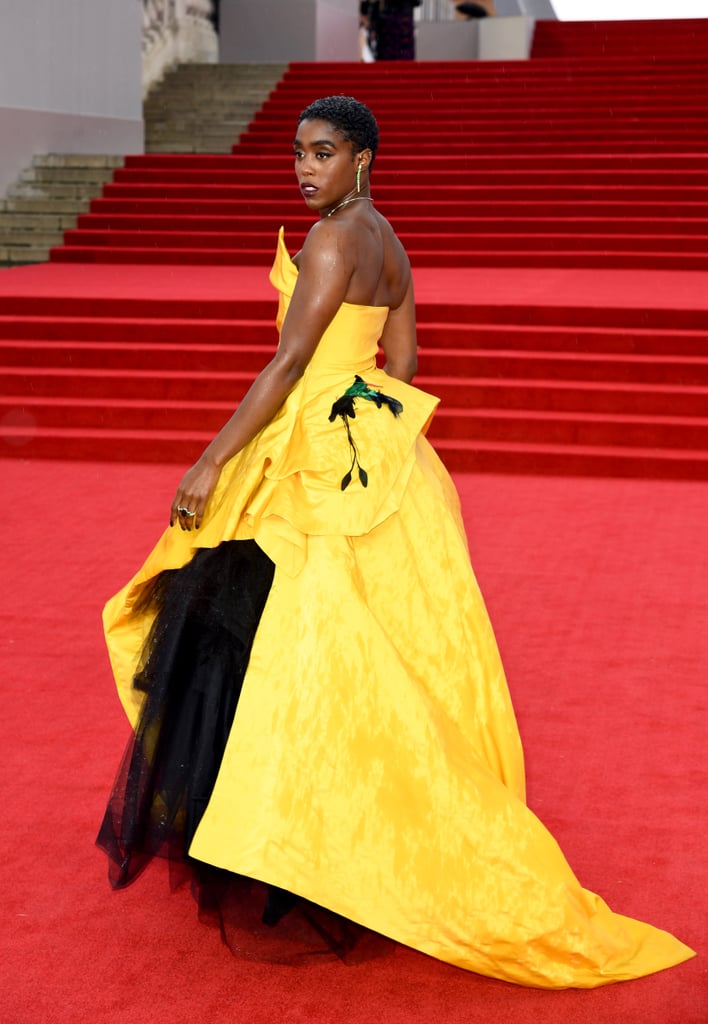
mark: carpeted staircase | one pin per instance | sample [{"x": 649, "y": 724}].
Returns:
[
  {"x": 591, "y": 162},
  {"x": 574, "y": 162},
  {"x": 681, "y": 39},
  {"x": 523, "y": 389}
]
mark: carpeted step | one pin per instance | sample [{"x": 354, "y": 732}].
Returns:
[
  {"x": 652, "y": 96},
  {"x": 460, "y": 331},
  {"x": 624, "y": 39},
  {"x": 239, "y": 160},
  {"x": 124, "y": 307},
  {"x": 586, "y": 460},
  {"x": 407, "y": 171},
  {"x": 597, "y": 429},
  {"x": 194, "y": 305},
  {"x": 456, "y": 392},
  {"x": 98, "y": 331},
  {"x": 457, "y": 362},
  {"x": 566, "y": 221},
  {"x": 130, "y": 445},
  {"x": 462, "y": 337},
  {"x": 112, "y": 336},
  {"x": 25, "y": 440},
  {"x": 614, "y": 96},
  {"x": 461, "y": 186},
  {"x": 462, "y": 201},
  {"x": 163, "y": 256},
  {"x": 137, "y": 355},
  {"x": 422, "y": 257},
  {"x": 475, "y": 424},
  {"x": 622, "y": 239}
]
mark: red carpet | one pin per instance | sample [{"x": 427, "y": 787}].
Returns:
[{"x": 597, "y": 592}]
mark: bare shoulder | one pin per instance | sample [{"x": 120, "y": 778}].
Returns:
[
  {"x": 396, "y": 265},
  {"x": 327, "y": 247}
]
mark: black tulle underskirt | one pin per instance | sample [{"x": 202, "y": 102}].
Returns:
[{"x": 191, "y": 672}]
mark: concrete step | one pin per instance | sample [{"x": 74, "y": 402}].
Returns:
[
  {"x": 31, "y": 205},
  {"x": 192, "y": 140},
  {"x": 208, "y": 104},
  {"x": 77, "y": 160},
  {"x": 216, "y": 91},
  {"x": 178, "y": 83},
  {"x": 34, "y": 239},
  {"x": 59, "y": 173},
  {"x": 204, "y": 147},
  {"x": 54, "y": 191},
  {"x": 230, "y": 72},
  {"x": 182, "y": 120},
  {"x": 247, "y": 72},
  {"x": 49, "y": 221},
  {"x": 222, "y": 97},
  {"x": 45, "y": 201},
  {"x": 21, "y": 255},
  {"x": 205, "y": 108},
  {"x": 178, "y": 124}
]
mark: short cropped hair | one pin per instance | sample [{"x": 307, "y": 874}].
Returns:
[{"x": 352, "y": 119}]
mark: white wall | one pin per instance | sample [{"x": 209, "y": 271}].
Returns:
[
  {"x": 337, "y": 30},
  {"x": 532, "y": 8},
  {"x": 70, "y": 79},
  {"x": 478, "y": 39},
  {"x": 505, "y": 38},
  {"x": 447, "y": 40},
  {"x": 280, "y": 31}
]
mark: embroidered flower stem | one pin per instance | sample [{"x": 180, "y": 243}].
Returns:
[
  {"x": 344, "y": 408},
  {"x": 363, "y": 475}
]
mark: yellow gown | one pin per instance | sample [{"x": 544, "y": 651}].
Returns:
[{"x": 374, "y": 766}]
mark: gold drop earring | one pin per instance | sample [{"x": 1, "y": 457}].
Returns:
[{"x": 358, "y": 178}]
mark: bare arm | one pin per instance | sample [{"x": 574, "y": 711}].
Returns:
[
  {"x": 399, "y": 339},
  {"x": 323, "y": 280}
]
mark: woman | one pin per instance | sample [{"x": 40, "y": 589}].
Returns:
[{"x": 373, "y": 767}]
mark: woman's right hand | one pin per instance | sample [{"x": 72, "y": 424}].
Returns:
[{"x": 193, "y": 493}]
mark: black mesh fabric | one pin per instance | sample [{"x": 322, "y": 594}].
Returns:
[{"x": 192, "y": 669}]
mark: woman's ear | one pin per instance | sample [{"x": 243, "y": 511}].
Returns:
[{"x": 363, "y": 159}]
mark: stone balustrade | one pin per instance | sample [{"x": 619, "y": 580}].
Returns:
[
  {"x": 435, "y": 10},
  {"x": 176, "y": 32}
]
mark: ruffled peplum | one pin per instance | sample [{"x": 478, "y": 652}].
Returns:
[{"x": 291, "y": 473}]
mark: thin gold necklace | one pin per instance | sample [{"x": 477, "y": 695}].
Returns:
[{"x": 346, "y": 202}]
